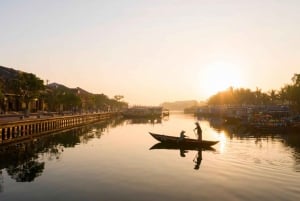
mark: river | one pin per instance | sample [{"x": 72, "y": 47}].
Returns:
[{"x": 114, "y": 161}]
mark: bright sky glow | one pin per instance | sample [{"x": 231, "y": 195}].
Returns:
[
  {"x": 153, "y": 51},
  {"x": 219, "y": 76}
]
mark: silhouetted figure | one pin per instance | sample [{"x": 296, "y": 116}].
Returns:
[
  {"x": 182, "y": 136},
  {"x": 199, "y": 131},
  {"x": 181, "y": 139},
  {"x": 197, "y": 160}
]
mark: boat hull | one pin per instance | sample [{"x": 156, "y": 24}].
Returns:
[{"x": 185, "y": 142}]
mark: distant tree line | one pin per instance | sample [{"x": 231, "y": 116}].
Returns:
[
  {"x": 24, "y": 89},
  {"x": 289, "y": 94}
]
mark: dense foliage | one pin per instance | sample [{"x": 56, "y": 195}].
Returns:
[
  {"x": 60, "y": 98},
  {"x": 288, "y": 94},
  {"x": 27, "y": 88}
]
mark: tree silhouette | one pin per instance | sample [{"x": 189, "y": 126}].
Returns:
[{"x": 28, "y": 86}]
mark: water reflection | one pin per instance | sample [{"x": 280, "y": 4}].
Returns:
[
  {"x": 144, "y": 121},
  {"x": 1, "y": 181},
  {"x": 239, "y": 131},
  {"x": 149, "y": 120},
  {"x": 21, "y": 160},
  {"x": 197, "y": 160},
  {"x": 183, "y": 150},
  {"x": 293, "y": 141},
  {"x": 120, "y": 166},
  {"x": 27, "y": 171}
]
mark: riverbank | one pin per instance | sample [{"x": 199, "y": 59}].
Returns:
[
  {"x": 269, "y": 118},
  {"x": 16, "y": 128}
]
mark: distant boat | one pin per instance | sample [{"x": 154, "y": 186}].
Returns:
[
  {"x": 143, "y": 112},
  {"x": 185, "y": 142},
  {"x": 165, "y": 112}
]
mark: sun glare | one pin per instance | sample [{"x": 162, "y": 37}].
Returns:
[{"x": 219, "y": 76}]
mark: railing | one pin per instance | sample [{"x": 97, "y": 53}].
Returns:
[{"x": 23, "y": 129}]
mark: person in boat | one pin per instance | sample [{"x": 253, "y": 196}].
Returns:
[
  {"x": 181, "y": 139},
  {"x": 182, "y": 136},
  {"x": 199, "y": 131}
]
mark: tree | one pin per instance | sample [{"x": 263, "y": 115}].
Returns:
[
  {"x": 296, "y": 80},
  {"x": 1, "y": 100},
  {"x": 282, "y": 94},
  {"x": 117, "y": 105},
  {"x": 258, "y": 96},
  {"x": 70, "y": 101},
  {"x": 62, "y": 98},
  {"x": 118, "y": 97},
  {"x": 243, "y": 96},
  {"x": 28, "y": 86},
  {"x": 101, "y": 101},
  {"x": 295, "y": 91},
  {"x": 273, "y": 96}
]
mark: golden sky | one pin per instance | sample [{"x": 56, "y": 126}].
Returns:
[{"x": 153, "y": 51}]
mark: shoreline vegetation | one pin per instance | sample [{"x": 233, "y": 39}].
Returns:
[
  {"x": 276, "y": 110},
  {"x": 288, "y": 95},
  {"x": 25, "y": 93}
]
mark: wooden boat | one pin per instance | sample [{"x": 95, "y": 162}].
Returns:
[
  {"x": 185, "y": 142},
  {"x": 176, "y": 146}
]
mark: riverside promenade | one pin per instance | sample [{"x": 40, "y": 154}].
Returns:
[{"x": 16, "y": 127}]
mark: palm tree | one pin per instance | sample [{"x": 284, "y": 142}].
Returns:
[
  {"x": 273, "y": 96},
  {"x": 258, "y": 96},
  {"x": 282, "y": 95},
  {"x": 296, "y": 80}
]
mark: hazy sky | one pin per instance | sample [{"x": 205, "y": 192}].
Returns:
[{"x": 152, "y": 51}]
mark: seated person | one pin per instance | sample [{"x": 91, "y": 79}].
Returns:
[{"x": 182, "y": 136}]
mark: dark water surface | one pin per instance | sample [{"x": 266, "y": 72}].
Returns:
[{"x": 113, "y": 161}]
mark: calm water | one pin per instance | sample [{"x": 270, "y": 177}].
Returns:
[{"x": 113, "y": 161}]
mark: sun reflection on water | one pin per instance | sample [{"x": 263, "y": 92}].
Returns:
[{"x": 221, "y": 137}]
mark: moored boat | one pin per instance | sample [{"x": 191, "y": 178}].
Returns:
[
  {"x": 186, "y": 141},
  {"x": 143, "y": 112}
]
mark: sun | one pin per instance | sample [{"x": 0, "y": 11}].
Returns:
[{"x": 219, "y": 76}]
